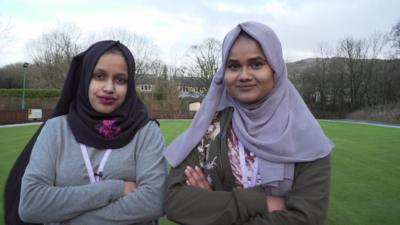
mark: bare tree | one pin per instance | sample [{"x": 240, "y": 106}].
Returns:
[
  {"x": 145, "y": 51},
  {"x": 354, "y": 53},
  {"x": 353, "y": 78},
  {"x": 374, "y": 71},
  {"x": 204, "y": 59},
  {"x": 321, "y": 76},
  {"x": 5, "y": 28},
  {"x": 167, "y": 98},
  {"x": 356, "y": 76},
  {"x": 52, "y": 53},
  {"x": 164, "y": 71},
  {"x": 11, "y": 76},
  {"x": 158, "y": 68},
  {"x": 338, "y": 85},
  {"x": 394, "y": 37}
]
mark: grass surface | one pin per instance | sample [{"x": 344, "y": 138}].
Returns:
[
  {"x": 365, "y": 169},
  {"x": 365, "y": 174}
]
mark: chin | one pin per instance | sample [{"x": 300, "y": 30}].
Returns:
[
  {"x": 104, "y": 110},
  {"x": 246, "y": 99}
]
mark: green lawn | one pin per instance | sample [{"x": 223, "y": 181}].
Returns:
[
  {"x": 365, "y": 161},
  {"x": 12, "y": 140},
  {"x": 366, "y": 174}
]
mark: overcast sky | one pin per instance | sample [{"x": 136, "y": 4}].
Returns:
[{"x": 176, "y": 24}]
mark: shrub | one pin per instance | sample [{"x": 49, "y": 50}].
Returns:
[
  {"x": 385, "y": 113},
  {"x": 30, "y": 93}
]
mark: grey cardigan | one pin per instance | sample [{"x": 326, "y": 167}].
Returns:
[{"x": 55, "y": 187}]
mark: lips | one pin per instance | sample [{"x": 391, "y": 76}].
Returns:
[
  {"x": 107, "y": 100},
  {"x": 245, "y": 87}
]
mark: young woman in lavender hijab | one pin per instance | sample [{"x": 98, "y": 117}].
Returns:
[
  {"x": 254, "y": 154},
  {"x": 98, "y": 160}
]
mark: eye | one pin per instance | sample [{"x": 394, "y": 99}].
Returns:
[
  {"x": 256, "y": 65},
  {"x": 121, "y": 80},
  {"x": 233, "y": 65},
  {"x": 98, "y": 76}
]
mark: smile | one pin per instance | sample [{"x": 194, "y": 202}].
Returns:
[
  {"x": 245, "y": 87},
  {"x": 106, "y": 100}
]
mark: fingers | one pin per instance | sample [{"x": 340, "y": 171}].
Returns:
[
  {"x": 195, "y": 177},
  {"x": 201, "y": 179},
  {"x": 192, "y": 177},
  {"x": 275, "y": 203},
  {"x": 189, "y": 177},
  {"x": 134, "y": 185},
  {"x": 129, "y": 186}
]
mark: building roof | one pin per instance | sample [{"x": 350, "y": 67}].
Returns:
[
  {"x": 189, "y": 81},
  {"x": 181, "y": 81},
  {"x": 147, "y": 79}
]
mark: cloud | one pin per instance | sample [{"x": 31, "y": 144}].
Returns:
[{"x": 176, "y": 24}]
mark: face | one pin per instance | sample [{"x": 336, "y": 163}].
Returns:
[
  {"x": 248, "y": 77},
  {"x": 109, "y": 83}
]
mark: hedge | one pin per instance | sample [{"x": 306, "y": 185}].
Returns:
[{"x": 30, "y": 93}]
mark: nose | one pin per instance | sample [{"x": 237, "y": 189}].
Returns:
[
  {"x": 109, "y": 86},
  {"x": 245, "y": 74}
]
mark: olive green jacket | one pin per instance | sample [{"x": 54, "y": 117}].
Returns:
[{"x": 306, "y": 203}]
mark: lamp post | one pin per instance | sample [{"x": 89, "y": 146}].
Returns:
[{"x": 24, "y": 70}]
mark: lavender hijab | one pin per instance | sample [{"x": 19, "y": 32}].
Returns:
[{"x": 280, "y": 130}]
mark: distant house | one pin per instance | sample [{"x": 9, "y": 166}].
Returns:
[
  {"x": 316, "y": 96},
  {"x": 194, "y": 106},
  {"x": 146, "y": 83},
  {"x": 189, "y": 87}
]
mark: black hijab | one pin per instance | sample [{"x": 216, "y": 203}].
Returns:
[{"x": 102, "y": 131}]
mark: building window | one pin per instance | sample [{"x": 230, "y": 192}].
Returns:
[{"x": 146, "y": 87}]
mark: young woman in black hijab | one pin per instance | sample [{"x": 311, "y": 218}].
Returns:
[{"x": 98, "y": 160}]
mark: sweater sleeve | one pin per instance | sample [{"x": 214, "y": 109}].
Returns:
[
  {"x": 43, "y": 202},
  {"x": 145, "y": 203},
  {"x": 191, "y": 205},
  {"x": 307, "y": 202}
]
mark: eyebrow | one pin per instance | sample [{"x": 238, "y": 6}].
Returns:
[
  {"x": 104, "y": 71},
  {"x": 122, "y": 75},
  {"x": 251, "y": 59},
  {"x": 258, "y": 58},
  {"x": 98, "y": 70}
]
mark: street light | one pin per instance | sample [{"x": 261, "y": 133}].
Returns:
[{"x": 24, "y": 70}]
